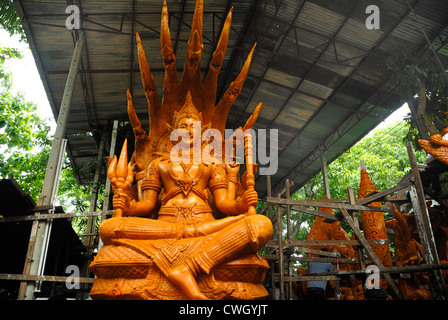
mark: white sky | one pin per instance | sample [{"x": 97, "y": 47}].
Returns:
[
  {"x": 399, "y": 114},
  {"x": 25, "y": 75},
  {"x": 26, "y": 79}
]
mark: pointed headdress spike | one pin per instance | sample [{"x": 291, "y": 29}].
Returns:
[
  {"x": 235, "y": 87},
  {"x": 122, "y": 166},
  {"x": 221, "y": 48},
  {"x": 170, "y": 86},
  {"x": 245, "y": 70},
  {"x": 211, "y": 80},
  {"x": 196, "y": 26},
  {"x": 195, "y": 45},
  {"x": 145, "y": 72},
  {"x": 188, "y": 110},
  {"x": 149, "y": 85},
  {"x": 165, "y": 38},
  {"x": 253, "y": 117},
  {"x": 135, "y": 121}
]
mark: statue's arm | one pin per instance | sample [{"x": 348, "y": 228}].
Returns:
[
  {"x": 219, "y": 188},
  {"x": 232, "y": 179},
  {"x": 151, "y": 186}
]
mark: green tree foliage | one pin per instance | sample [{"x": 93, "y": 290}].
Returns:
[
  {"x": 24, "y": 137},
  {"x": 408, "y": 69},
  {"x": 421, "y": 75},
  {"x": 9, "y": 19},
  {"x": 25, "y": 144},
  {"x": 385, "y": 155}
]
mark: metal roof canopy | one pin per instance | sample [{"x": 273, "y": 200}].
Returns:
[{"x": 320, "y": 73}]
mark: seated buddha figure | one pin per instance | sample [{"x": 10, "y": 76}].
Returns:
[{"x": 185, "y": 217}]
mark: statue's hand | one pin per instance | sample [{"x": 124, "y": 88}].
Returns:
[
  {"x": 437, "y": 139},
  {"x": 249, "y": 198},
  {"x": 121, "y": 201},
  {"x": 121, "y": 176},
  {"x": 232, "y": 169}
]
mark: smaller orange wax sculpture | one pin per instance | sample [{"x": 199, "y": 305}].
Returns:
[
  {"x": 373, "y": 223},
  {"x": 321, "y": 230},
  {"x": 407, "y": 249},
  {"x": 408, "y": 252},
  {"x": 437, "y": 146}
]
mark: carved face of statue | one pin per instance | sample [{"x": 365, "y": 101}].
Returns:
[{"x": 187, "y": 123}]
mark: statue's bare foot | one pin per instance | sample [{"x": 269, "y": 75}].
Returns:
[{"x": 184, "y": 279}]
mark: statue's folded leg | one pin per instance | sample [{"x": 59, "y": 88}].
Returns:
[
  {"x": 147, "y": 229},
  {"x": 241, "y": 238},
  {"x": 138, "y": 229}
]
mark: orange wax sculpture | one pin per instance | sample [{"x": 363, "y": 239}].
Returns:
[
  {"x": 437, "y": 146},
  {"x": 373, "y": 223},
  {"x": 182, "y": 228},
  {"x": 321, "y": 230},
  {"x": 408, "y": 252}
]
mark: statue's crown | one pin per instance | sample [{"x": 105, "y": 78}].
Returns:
[
  {"x": 190, "y": 95},
  {"x": 188, "y": 110},
  {"x": 175, "y": 90}
]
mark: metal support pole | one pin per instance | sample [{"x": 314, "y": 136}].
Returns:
[
  {"x": 325, "y": 177},
  {"x": 91, "y": 221},
  {"x": 107, "y": 187},
  {"x": 48, "y": 225},
  {"x": 36, "y": 243},
  {"x": 88, "y": 241},
  {"x": 288, "y": 212},
  {"x": 288, "y": 232},
  {"x": 113, "y": 143}
]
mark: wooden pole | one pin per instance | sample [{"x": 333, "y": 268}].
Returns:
[
  {"x": 280, "y": 253},
  {"x": 370, "y": 252},
  {"x": 424, "y": 227},
  {"x": 351, "y": 197},
  {"x": 270, "y": 213}
]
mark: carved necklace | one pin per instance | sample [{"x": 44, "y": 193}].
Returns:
[{"x": 185, "y": 181}]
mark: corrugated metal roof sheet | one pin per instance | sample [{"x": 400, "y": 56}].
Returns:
[{"x": 319, "y": 71}]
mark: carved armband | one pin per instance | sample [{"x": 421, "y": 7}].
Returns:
[
  {"x": 216, "y": 184},
  {"x": 218, "y": 178},
  {"x": 233, "y": 179},
  {"x": 152, "y": 180},
  {"x": 151, "y": 184}
]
